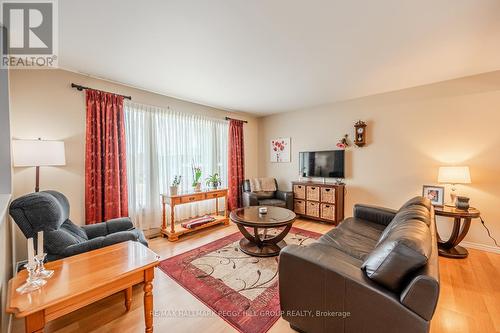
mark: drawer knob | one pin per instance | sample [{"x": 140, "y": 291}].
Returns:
[
  {"x": 327, "y": 189},
  {"x": 191, "y": 198}
]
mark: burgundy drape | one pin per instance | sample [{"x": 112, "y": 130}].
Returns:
[
  {"x": 236, "y": 165},
  {"x": 106, "y": 195}
]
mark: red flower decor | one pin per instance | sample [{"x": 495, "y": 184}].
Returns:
[{"x": 343, "y": 143}]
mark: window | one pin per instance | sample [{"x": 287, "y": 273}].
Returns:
[{"x": 162, "y": 143}]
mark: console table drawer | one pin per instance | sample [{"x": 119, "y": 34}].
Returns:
[
  {"x": 312, "y": 209},
  {"x": 192, "y": 198},
  {"x": 300, "y": 207},
  {"x": 328, "y": 212},
  {"x": 214, "y": 195},
  {"x": 312, "y": 193},
  {"x": 299, "y": 191},
  {"x": 328, "y": 194}
]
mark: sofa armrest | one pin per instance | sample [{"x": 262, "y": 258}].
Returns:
[
  {"x": 379, "y": 215},
  {"x": 286, "y": 196},
  {"x": 313, "y": 279},
  {"x": 250, "y": 199}
]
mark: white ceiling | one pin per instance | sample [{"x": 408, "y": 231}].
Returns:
[{"x": 267, "y": 56}]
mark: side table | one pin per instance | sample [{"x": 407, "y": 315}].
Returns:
[{"x": 461, "y": 223}]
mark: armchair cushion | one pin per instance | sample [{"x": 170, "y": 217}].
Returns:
[{"x": 56, "y": 241}]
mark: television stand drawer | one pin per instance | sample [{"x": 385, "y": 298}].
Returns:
[
  {"x": 299, "y": 191},
  {"x": 312, "y": 208},
  {"x": 312, "y": 193},
  {"x": 299, "y": 207},
  {"x": 328, "y": 212},
  {"x": 328, "y": 195}
]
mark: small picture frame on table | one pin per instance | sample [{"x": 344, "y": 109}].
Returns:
[{"x": 434, "y": 193}]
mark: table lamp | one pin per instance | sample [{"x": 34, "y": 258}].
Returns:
[
  {"x": 37, "y": 153},
  {"x": 454, "y": 175}
]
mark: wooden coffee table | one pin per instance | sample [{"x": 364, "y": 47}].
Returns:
[
  {"x": 83, "y": 279},
  {"x": 260, "y": 244}
]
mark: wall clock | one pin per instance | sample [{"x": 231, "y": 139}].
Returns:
[{"x": 360, "y": 133}]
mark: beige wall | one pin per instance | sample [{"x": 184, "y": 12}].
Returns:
[
  {"x": 44, "y": 105},
  {"x": 410, "y": 134}
]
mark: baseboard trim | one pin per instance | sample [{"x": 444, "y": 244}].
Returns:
[{"x": 482, "y": 247}]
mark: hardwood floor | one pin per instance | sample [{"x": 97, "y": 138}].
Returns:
[{"x": 469, "y": 300}]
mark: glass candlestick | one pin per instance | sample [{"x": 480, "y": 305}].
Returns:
[
  {"x": 41, "y": 271},
  {"x": 32, "y": 282}
]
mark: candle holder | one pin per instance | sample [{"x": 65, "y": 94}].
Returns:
[
  {"x": 41, "y": 271},
  {"x": 32, "y": 282}
]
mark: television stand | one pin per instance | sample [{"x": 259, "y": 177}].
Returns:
[{"x": 319, "y": 200}]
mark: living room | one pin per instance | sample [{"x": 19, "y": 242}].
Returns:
[{"x": 253, "y": 167}]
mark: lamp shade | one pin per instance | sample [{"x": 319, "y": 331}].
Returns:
[
  {"x": 38, "y": 153},
  {"x": 454, "y": 175}
]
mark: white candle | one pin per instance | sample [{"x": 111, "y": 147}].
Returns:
[
  {"x": 31, "y": 252},
  {"x": 39, "y": 244}
]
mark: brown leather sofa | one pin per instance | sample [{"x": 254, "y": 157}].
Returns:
[{"x": 376, "y": 272}]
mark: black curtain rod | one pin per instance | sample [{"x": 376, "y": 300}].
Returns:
[
  {"x": 246, "y": 122},
  {"x": 80, "y": 88}
]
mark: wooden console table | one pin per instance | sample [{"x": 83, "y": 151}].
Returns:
[
  {"x": 83, "y": 279},
  {"x": 185, "y": 198}
]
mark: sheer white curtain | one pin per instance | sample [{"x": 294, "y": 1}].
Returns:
[{"x": 162, "y": 143}]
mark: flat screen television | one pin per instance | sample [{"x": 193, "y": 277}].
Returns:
[{"x": 327, "y": 164}]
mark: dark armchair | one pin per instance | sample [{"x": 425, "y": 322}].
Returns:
[
  {"x": 49, "y": 211},
  {"x": 277, "y": 198}
]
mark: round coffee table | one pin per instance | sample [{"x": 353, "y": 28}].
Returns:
[{"x": 260, "y": 244}]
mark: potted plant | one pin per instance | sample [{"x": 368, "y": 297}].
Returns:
[
  {"x": 175, "y": 185},
  {"x": 213, "y": 181},
  {"x": 196, "y": 179}
]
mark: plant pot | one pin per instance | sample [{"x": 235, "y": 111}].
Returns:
[
  {"x": 197, "y": 187},
  {"x": 174, "y": 190}
]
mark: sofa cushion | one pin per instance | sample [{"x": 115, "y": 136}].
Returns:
[
  {"x": 405, "y": 249},
  {"x": 419, "y": 201},
  {"x": 415, "y": 212},
  {"x": 272, "y": 202},
  {"x": 363, "y": 227},
  {"x": 348, "y": 241}
]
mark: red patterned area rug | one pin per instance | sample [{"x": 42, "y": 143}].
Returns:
[{"x": 241, "y": 289}]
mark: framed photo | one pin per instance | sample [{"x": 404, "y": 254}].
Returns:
[
  {"x": 434, "y": 193},
  {"x": 280, "y": 150}
]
